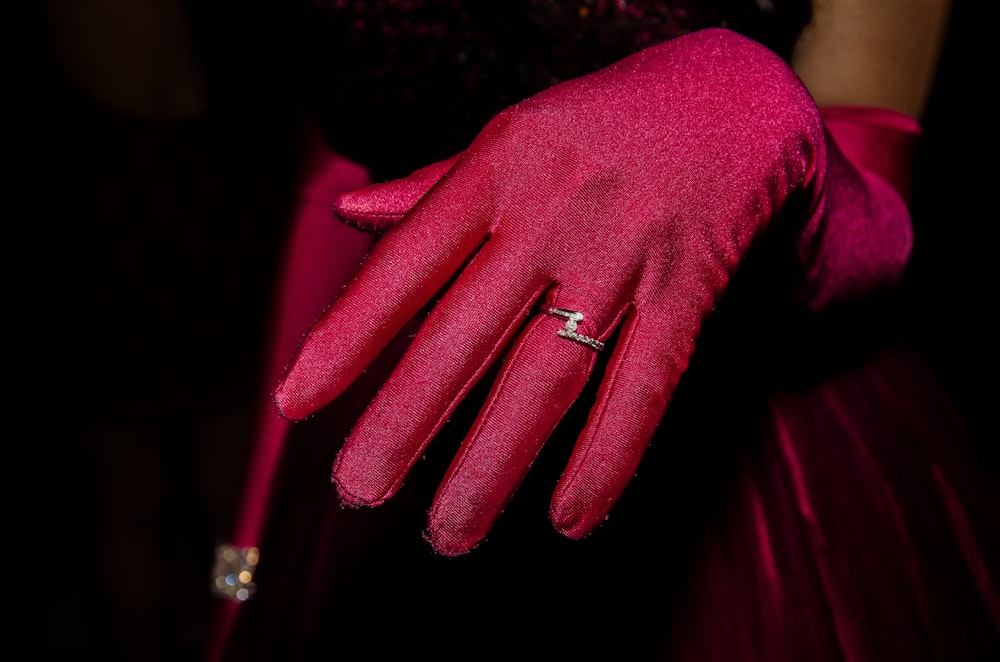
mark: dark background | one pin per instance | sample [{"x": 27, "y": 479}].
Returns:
[{"x": 142, "y": 240}]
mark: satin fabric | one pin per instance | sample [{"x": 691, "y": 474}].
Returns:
[
  {"x": 320, "y": 257},
  {"x": 839, "y": 521},
  {"x": 817, "y": 499},
  {"x": 632, "y": 194}
]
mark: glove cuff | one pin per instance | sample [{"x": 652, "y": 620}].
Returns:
[
  {"x": 859, "y": 240},
  {"x": 877, "y": 139}
]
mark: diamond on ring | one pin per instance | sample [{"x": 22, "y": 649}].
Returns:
[{"x": 573, "y": 318}]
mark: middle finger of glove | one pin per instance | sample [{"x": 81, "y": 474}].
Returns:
[{"x": 462, "y": 336}]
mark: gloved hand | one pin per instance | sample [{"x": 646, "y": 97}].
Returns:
[{"x": 623, "y": 200}]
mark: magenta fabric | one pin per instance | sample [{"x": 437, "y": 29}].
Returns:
[
  {"x": 860, "y": 531},
  {"x": 858, "y": 247},
  {"x": 883, "y": 141},
  {"x": 630, "y": 195},
  {"x": 309, "y": 280},
  {"x": 789, "y": 507}
]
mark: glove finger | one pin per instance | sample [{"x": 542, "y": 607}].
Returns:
[
  {"x": 640, "y": 379},
  {"x": 540, "y": 380},
  {"x": 404, "y": 271},
  {"x": 379, "y": 207},
  {"x": 455, "y": 345}
]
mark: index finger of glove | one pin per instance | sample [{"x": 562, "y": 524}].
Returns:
[{"x": 403, "y": 272}]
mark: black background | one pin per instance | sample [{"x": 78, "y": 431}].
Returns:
[{"x": 139, "y": 258}]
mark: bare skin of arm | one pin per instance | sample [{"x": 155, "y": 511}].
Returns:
[{"x": 881, "y": 53}]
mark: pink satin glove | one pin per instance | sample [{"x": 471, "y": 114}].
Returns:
[{"x": 623, "y": 200}]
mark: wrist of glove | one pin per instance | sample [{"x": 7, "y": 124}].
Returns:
[
  {"x": 857, "y": 243},
  {"x": 617, "y": 203}
]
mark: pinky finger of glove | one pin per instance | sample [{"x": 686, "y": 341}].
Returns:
[{"x": 632, "y": 400}]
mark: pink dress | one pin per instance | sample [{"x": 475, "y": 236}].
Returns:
[
  {"x": 800, "y": 509},
  {"x": 812, "y": 495}
]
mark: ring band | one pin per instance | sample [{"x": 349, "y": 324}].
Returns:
[{"x": 573, "y": 318}]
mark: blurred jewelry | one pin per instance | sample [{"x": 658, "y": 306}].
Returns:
[{"x": 233, "y": 572}]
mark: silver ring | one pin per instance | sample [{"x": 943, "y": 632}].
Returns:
[{"x": 573, "y": 318}]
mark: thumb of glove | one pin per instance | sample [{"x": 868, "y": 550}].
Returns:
[{"x": 377, "y": 208}]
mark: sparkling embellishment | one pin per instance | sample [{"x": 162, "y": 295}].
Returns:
[
  {"x": 232, "y": 575},
  {"x": 573, "y": 318}
]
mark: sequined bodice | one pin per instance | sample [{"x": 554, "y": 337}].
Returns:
[{"x": 402, "y": 82}]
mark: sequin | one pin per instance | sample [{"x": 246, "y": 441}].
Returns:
[{"x": 233, "y": 572}]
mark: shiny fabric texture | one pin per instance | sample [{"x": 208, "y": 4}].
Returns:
[
  {"x": 630, "y": 195},
  {"x": 316, "y": 280},
  {"x": 863, "y": 492},
  {"x": 832, "y": 511},
  {"x": 838, "y": 520},
  {"x": 859, "y": 245},
  {"x": 309, "y": 280}
]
